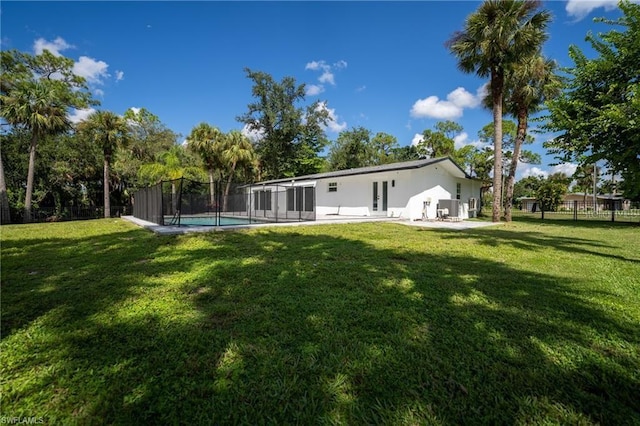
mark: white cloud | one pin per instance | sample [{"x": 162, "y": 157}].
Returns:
[
  {"x": 567, "y": 168},
  {"x": 333, "y": 123},
  {"x": 54, "y": 46},
  {"x": 135, "y": 110},
  {"x": 119, "y": 75},
  {"x": 79, "y": 115},
  {"x": 94, "y": 71},
  {"x": 361, "y": 89},
  {"x": 579, "y": 9},
  {"x": 449, "y": 109},
  {"x": 534, "y": 171},
  {"x": 327, "y": 75},
  {"x": 460, "y": 140},
  {"x": 340, "y": 64},
  {"x": 435, "y": 108},
  {"x": 253, "y": 135},
  {"x": 417, "y": 138},
  {"x": 314, "y": 89},
  {"x": 98, "y": 92},
  {"x": 314, "y": 65}
]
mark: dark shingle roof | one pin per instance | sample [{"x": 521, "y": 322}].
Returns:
[{"x": 415, "y": 164}]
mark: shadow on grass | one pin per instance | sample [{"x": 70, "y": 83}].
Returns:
[
  {"x": 532, "y": 240},
  {"x": 299, "y": 327}
]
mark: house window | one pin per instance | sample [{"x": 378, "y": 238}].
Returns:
[
  {"x": 458, "y": 190},
  {"x": 333, "y": 186},
  {"x": 393, "y": 183}
]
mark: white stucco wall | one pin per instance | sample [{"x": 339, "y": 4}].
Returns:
[{"x": 407, "y": 191}]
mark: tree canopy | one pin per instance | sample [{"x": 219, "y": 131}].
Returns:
[
  {"x": 289, "y": 134},
  {"x": 598, "y": 116}
]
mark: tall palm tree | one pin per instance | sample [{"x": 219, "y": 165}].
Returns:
[
  {"x": 38, "y": 107},
  {"x": 208, "y": 142},
  {"x": 529, "y": 84},
  {"x": 109, "y": 131},
  {"x": 499, "y": 34},
  {"x": 238, "y": 150}
]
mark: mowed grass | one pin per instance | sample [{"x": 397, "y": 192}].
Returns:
[{"x": 526, "y": 323}]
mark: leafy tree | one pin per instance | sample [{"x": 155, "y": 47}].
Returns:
[
  {"x": 510, "y": 158},
  {"x": 208, "y": 142},
  {"x": 312, "y": 140},
  {"x": 382, "y": 148},
  {"x": 149, "y": 138},
  {"x": 498, "y": 35},
  {"x": 36, "y": 94},
  {"x": 351, "y": 150},
  {"x": 440, "y": 143},
  {"x": 36, "y": 106},
  {"x": 237, "y": 151},
  {"x": 110, "y": 132},
  {"x": 13, "y": 70},
  {"x": 435, "y": 144},
  {"x": 171, "y": 165},
  {"x": 405, "y": 153},
  {"x": 527, "y": 187},
  {"x": 584, "y": 179},
  {"x": 288, "y": 132},
  {"x": 551, "y": 192},
  {"x": 449, "y": 128},
  {"x": 599, "y": 113}
]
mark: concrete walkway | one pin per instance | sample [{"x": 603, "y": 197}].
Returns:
[{"x": 320, "y": 220}]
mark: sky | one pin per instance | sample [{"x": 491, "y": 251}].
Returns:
[{"x": 380, "y": 65}]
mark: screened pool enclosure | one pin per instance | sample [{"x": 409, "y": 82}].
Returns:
[{"x": 183, "y": 202}]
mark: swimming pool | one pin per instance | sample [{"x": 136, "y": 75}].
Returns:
[{"x": 211, "y": 221}]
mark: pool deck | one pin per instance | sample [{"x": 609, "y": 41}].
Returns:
[{"x": 320, "y": 220}]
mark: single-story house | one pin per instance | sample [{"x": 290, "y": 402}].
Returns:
[
  {"x": 584, "y": 202},
  {"x": 415, "y": 190}
]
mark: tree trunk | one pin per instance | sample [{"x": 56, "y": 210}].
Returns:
[
  {"x": 517, "y": 147},
  {"x": 5, "y": 213},
  {"x": 107, "y": 203},
  {"x": 226, "y": 190},
  {"x": 212, "y": 190},
  {"x": 30, "y": 176},
  {"x": 497, "y": 86}
]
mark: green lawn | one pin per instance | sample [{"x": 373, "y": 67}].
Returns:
[{"x": 526, "y": 323}]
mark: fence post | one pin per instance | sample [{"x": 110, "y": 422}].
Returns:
[
  {"x": 575, "y": 210},
  {"x": 613, "y": 210},
  {"x": 180, "y": 201}
]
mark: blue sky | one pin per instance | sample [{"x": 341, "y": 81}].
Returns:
[{"x": 380, "y": 65}]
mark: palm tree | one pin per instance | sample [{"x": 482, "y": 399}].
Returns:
[
  {"x": 499, "y": 34},
  {"x": 170, "y": 165},
  {"x": 38, "y": 107},
  {"x": 529, "y": 84},
  {"x": 109, "y": 131},
  {"x": 238, "y": 150},
  {"x": 207, "y": 141}
]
